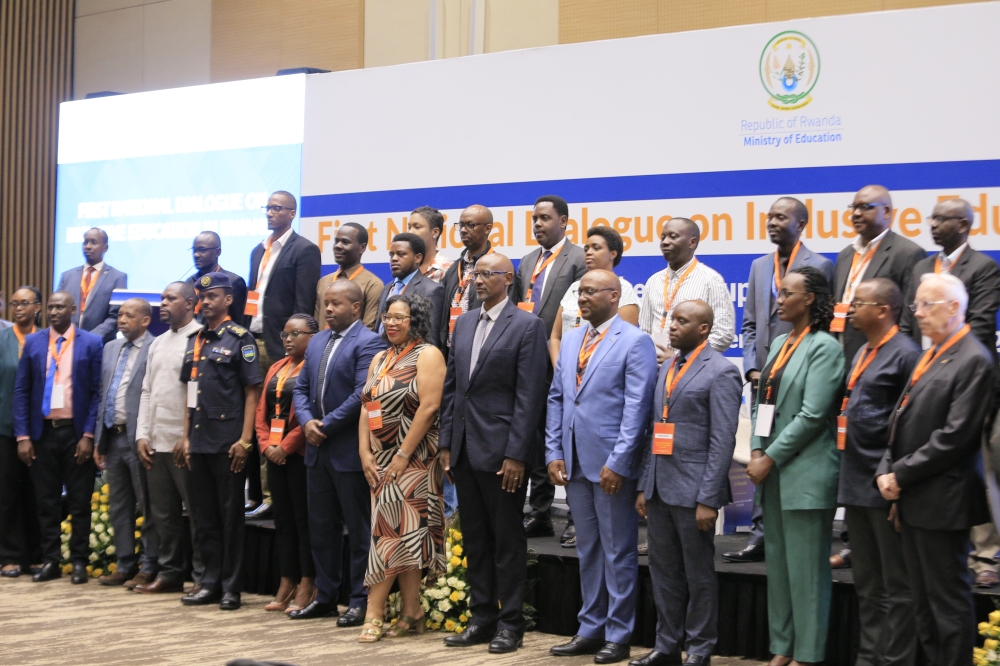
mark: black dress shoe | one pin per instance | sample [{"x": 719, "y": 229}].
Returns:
[
  {"x": 577, "y": 646},
  {"x": 315, "y": 609},
  {"x": 752, "y": 553},
  {"x": 697, "y": 660},
  {"x": 49, "y": 571},
  {"x": 352, "y": 617},
  {"x": 474, "y": 634},
  {"x": 655, "y": 658},
  {"x": 612, "y": 653},
  {"x": 202, "y": 598},
  {"x": 568, "y": 533},
  {"x": 79, "y": 576},
  {"x": 11, "y": 573},
  {"x": 230, "y": 601},
  {"x": 260, "y": 513},
  {"x": 538, "y": 527},
  {"x": 506, "y": 640}
]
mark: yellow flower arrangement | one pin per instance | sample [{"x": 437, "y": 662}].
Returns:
[{"x": 989, "y": 653}]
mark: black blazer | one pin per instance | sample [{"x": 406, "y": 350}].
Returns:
[
  {"x": 567, "y": 268},
  {"x": 894, "y": 259},
  {"x": 981, "y": 277},
  {"x": 291, "y": 289},
  {"x": 429, "y": 289},
  {"x": 496, "y": 413},
  {"x": 934, "y": 442}
]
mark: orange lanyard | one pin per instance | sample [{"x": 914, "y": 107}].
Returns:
[
  {"x": 86, "y": 284},
  {"x": 783, "y": 357},
  {"x": 57, "y": 356},
  {"x": 669, "y": 300},
  {"x": 540, "y": 267},
  {"x": 285, "y": 373},
  {"x": 464, "y": 282},
  {"x": 353, "y": 275},
  {"x": 937, "y": 261},
  {"x": 777, "y": 265},
  {"x": 20, "y": 338},
  {"x": 266, "y": 258},
  {"x": 199, "y": 342},
  {"x": 927, "y": 360},
  {"x": 389, "y": 363},
  {"x": 672, "y": 381},
  {"x": 586, "y": 351},
  {"x": 858, "y": 270},
  {"x": 863, "y": 362}
]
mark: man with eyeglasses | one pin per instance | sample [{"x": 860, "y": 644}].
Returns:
[
  {"x": 349, "y": 244},
  {"x": 406, "y": 254},
  {"x": 91, "y": 287},
  {"x": 206, "y": 249},
  {"x": 931, "y": 468}
]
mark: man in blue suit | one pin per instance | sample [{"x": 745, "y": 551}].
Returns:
[
  {"x": 685, "y": 479},
  {"x": 327, "y": 400},
  {"x": 56, "y": 396},
  {"x": 598, "y": 411},
  {"x": 91, "y": 287},
  {"x": 785, "y": 223}
]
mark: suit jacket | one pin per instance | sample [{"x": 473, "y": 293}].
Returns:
[
  {"x": 495, "y": 413},
  {"x": 567, "y": 268},
  {"x": 29, "y": 388},
  {"x": 294, "y": 440},
  {"x": 894, "y": 259},
  {"x": 760, "y": 312},
  {"x": 112, "y": 350},
  {"x": 346, "y": 374},
  {"x": 981, "y": 277},
  {"x": 705, "y": 411},
  {"x": 604, "y": 422},
  {"x": 429, "y": 289},
  {"x": 239, "y": 305},
  {"x": 803, "y": 441},
  {"x": 8, "y": 375},
  {"x": 99, "y": 317},
  {"x": 291, "y": 287},
  {"x": 935, "y": 441}
]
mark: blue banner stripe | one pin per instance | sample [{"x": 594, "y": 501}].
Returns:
[{"x": 804, "y": 180}]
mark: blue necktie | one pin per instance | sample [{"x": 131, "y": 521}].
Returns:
[
  {"x": 536, "y": 289},
  {"x": 109, "y": 401},
  {"x": 49, "y": 379},
  {"x": 397, "y": 287}
]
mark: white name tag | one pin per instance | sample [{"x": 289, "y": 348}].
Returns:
[
  {"x": 765, "y": 420},
  {"x": 192, "y": 394},
  {"x": 58, "y": 399}
]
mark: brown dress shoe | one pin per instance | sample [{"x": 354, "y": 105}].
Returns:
[
  {"x": 116, "y": 579},
  {"x": 140, "y": 579},
  {"x": 159, "y": 586}
]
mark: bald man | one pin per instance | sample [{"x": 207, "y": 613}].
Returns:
[{"x": 206, "y": 248}]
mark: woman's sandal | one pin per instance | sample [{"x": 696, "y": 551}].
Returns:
[
  {"x": 278, "y": 604},
  {"x": 414, "y": 625},
  {"x": 372, "y": 635}
]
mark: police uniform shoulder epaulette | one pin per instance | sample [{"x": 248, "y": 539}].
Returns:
[{"x": 236, "y": 329}]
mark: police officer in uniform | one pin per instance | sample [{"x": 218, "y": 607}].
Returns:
[{"x": 223, "y": 378}]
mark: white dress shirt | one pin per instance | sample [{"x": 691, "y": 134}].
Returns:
[
  {"x": 263, "y": 275},
  {"x": 948, "y": 260},
  {"x": 164, "y": 395},
  {"x": 98, "y": 269},
  {"x": 121, "y": 413}
]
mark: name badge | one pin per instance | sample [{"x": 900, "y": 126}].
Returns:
[
  {"x": 253, "y": 298},
  {"x": 663, "y": 439},
  {"x": 277, "y": 431},
  {"x": 374, "y": 409},
  {"x": 765, "y": 420},
  {"x": 841, "y": 432},
  {"x": 192, "y": 395},
  {"x": 527, "y": 307},
  {"x": 839, "y": 323},
  {"x": 455, "y": 313},
  {"x": 58, "y": 397}
]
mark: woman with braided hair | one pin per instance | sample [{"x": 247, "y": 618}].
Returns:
[{"x": 795, "y": 465}]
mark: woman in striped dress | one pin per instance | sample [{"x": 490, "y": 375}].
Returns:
[{"x": 398, "y": 435}]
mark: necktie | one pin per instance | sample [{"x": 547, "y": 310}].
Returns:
[
  {"x": 324, "y": 362},
  {"x": 49, "y": 379},
  {"x": 477, "y": 342},
  {"x": 397, "y": 286},
  {"x": 581, "y": 368},
  {"x": 88, "y": 280},
  {"x": 116, "y": 381},
  {"x": 539, "y": 286}
]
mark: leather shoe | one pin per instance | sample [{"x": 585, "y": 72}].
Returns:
[
  {"x": 655, "y": 658},
  {"x": 11, "y": 573},
  {"x": 697, "y": 660},
  {"x": 352, "y": 617},
  {"x": 117, "y": 579},
  {"x": 752, "y": 553},
  {"x": 315, "y": 609},
  {"x": 195, "y": 589},
  {"x": 260, "y": 513},
  {"x": 202, "y": 598},
  {"x": 474, "y": 634},
  {"x": 506, "y": 640},
  {"x": 986, "y": 579},
  {"x": 568, "y": 533},
  {"x": 612, "y": 653},
  {"x": 571, "y": 543},
  {"x": 230, "y": 601},
  {"x": 577, "y": 646},
  {"x": 538, "y": 527},
  {"x": 159, "y": 586},
  {"x": 49, "y": 571},
  {"x": 140, "y": 578},
  {"x": 79, "y": 576}
]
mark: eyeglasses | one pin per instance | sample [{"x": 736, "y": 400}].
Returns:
[
  {"x": 202, "y": 250},
  {"x": 784, "y": 293},
  {"x": 23, "y": 304},
  {"x": 486, "y": 275},
  {"x": 275, "y": 209},
  {"x": 943, "y": 218},
  {"x": 858, "y": 304},
  {"x": 593, "y": 292},
  {"x": 284, "y": 335},
  {"x": 864, "y": 207},
  {"x": 469, "y": 225},
  {"x": 925, "y": 305},
  {"x": 393, "y": 318}
]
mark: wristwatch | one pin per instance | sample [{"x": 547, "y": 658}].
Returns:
[
  {"x": 246, "y": 445},
  {"x": 399, "y": 452}
]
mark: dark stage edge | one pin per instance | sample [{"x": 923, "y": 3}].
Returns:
[{"x": 554, "y": 591}]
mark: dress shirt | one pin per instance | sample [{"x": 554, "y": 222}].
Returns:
[
  {"x": 702, "y": 284},
  {"x": 164, "y": 398},
  {"x": 948, "y": 260},
  {"x": 405, "y": 282},
  {"x": 321, "y": 381},
  {"x": 64, "y": 371},
  {"x": 98, "y": 269},
  {"x": 121, "y": 413},
  {"x": 263, "y": 275},
  {"x": 491, "y": 316},
  {"x": 544, "y": 275},
  {"x": 571, "y": 303},
  {"x": 861, "y": 249},
  {"x": 486, "y": 320},
  {"x": 371, "y": 291}
]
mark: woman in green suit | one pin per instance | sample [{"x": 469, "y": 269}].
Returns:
[{"x": 795, "y": 464}]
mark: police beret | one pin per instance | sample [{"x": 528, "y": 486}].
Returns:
[{"x": 213, "y": 281}]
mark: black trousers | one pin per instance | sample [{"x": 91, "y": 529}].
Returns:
[
  {"x": 216, "y": 495},
  {"x": 290, "y": 503},
  {"x": 19, "y": 538},
  {"x": 495, "y": 544},
  {"x": 55, "y": 466},
  {"x": 941, "y": 583}
]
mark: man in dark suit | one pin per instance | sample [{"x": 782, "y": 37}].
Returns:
[
  {"x": 543, "y": 276},
  {"x": 91, "y": 287},
  {"x": 122, "y": 371},
  {"x": 406, "y": 254},
  {"x": 931, "y": 468},
  {"x": 327, "y": 399},
  {"x": 206, "y": 249},
  {"x": 685, "y": 479},
  {"x": 490, "y": 413},
  {"x": 56, "y": 395}
]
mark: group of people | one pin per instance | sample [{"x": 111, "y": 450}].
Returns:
[{"x": 471, "y": 378}]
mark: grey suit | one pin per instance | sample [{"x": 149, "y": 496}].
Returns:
[
  {"x": 429, "y": 289},
  {"x": 99, "y": 317},
  {"x": 126, "y": 476},
  {"x": 704, "y": 408}
]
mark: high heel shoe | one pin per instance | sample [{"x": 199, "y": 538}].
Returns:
[
  {"x": 414, "y": 625},
  {"x": 292, "y": 607},
  {"x": 280, "y": 605},
  {"x": 373, "y": 635}
]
